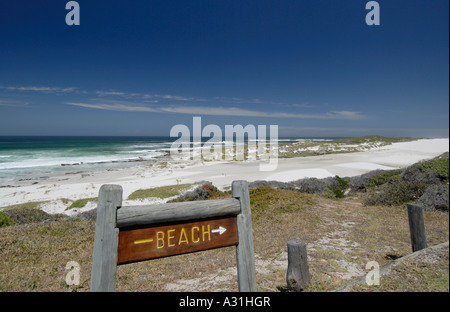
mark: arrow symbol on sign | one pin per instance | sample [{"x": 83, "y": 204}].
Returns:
[{"x": 220, "y": 230}]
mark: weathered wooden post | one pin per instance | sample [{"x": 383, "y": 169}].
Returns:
[
  {"x": 298, "y": 271},
  {"x": 416, "y": 227},
  {"x": 245, "y": 256},
  {"x": 104, "y": 262}
]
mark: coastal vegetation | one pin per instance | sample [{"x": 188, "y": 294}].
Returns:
[
  {"x": 5, "y": 220},
  {"x": 425, "y": 182},
  {"x": 80, "y": 203},
  {"x": 415, "y": 183},
  {"x": 322, "y": 147},
  {"x": 204, "y": 191},
  {"x": 31, "y": 205},
  {"x": 159, "y": 192}
]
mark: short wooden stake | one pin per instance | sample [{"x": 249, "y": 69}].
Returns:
[
  {"x": 298, "y": 271},
  {"x": 416, "y": 227}
]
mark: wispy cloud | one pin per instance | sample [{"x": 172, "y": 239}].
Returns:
[
  {"x": 216, "y": 111},
  {"x": 234, "y": 111},
  {"x": 344, "y": 115},
  {"x": 39, "y": 89},
  {"x": 109, "y": 93},
  {"x": 134, "y": 95},
  {"x": 13, "y": 103},
  {"x": 115, "y": 107}
]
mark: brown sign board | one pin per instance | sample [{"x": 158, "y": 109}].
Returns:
[{"x": 174, "y": 239}]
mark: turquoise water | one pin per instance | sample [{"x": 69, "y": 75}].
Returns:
[{"x": 22, "y": 156}]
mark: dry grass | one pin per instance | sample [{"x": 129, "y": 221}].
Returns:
[
  {"x": 341, "y": 236},
  {"x": 34, "y": 256},
  {"x": 427, "y": 273}
]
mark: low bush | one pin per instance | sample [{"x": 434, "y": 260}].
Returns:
[
  {"x": 439, "y": 166},
  {"x": 268, "y": 202},
  {"x": 425, "y": 182},
  {"x": 383, "y": 176},
  {"x": 159, "y": 192},
  {"x": 28, "y": 215},
  {"x": 202, "y": 192},
  {"x": 432, "y": 171},
  {"x": 338, "y": 189},
  {"x": 393, "y": 194},
  {"x": 311, "y": 186},
  {"x": 373, "y": 179},
  {"x": 80, "y": 203},
  {"x": 5, "y": 220},
  {"x": 30, "y": 205},
  {"x": 435, "y": 197}
]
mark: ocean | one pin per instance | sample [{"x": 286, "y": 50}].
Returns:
[{"x": 23, "y": 157}]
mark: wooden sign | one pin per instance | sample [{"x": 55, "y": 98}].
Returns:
[
  {"x": 136, "y": 233},
  {"x": 169, "y": 240}
]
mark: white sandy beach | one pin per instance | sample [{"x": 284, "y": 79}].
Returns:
[{"x": 86, "y": 184}]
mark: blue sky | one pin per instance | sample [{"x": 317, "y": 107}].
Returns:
[{"x": 314, "y": 68}]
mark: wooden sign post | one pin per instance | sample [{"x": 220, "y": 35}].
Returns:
[{"x": 137, "y": 233}]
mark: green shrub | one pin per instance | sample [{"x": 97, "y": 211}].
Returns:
[
  {"x": 311, "y": 185},
  {"x": 5, "y": 220},
  {"x": 30, "y": 205},
  {"x": 435, "y": 197},
  {"x": 80, "y": 203},
  {"x": 28, "y": 215},
  {"x": 159, "y": 192},
  {"x": 438, "y": 166},
  {"x": 434, "y": 171},
  {"x": 337, "y": 190},
  {"x": 267, "y": 202},
  {"x": 394, "y": 194},
  {"x": 382, "y": 177},
  {"x": 202, "y": 192}
]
